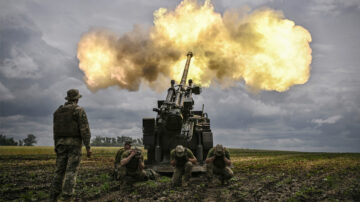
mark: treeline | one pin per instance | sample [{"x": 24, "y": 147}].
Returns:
[
  {"x": 115, "y": 141},
  {"x": 30, "y": 140}
]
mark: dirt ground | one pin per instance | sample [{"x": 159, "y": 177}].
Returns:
[{"x": 259, "y": 176}]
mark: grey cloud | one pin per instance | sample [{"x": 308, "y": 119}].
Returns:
[
  {"x": 330, "y": 120},
  {"x": 334, "y": 7},
  {"x": 5, "y": 93},
  {"x": 20, "y": 66}
]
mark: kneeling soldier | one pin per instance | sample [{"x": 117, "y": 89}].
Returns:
[
  {"x": 117, "y": 163},
  {"x": 182, "y": 159},
  {"x": 218, "y": 162},
  {"x": 132, "y": 165}
]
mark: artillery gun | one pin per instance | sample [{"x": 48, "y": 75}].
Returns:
[{"x": 177, "y": 123}]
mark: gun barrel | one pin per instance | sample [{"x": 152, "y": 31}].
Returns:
[{"x": 186, "y": 69}]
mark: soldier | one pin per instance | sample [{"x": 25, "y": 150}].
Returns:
[
  {"x": 132, "y": 166},
  {"x": 119, "y": 153},
  {"x": 182, "y": 159},
  {"x": 71, "y": 130},
  {"x": 218, "y": 162}
]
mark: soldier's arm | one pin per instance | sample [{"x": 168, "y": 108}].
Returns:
[
  {"x": 227, "y": 158},
  {"x": 125, "y": 160},
  {"x": 84, "y": 130},
  {"x": 141, "y": 163},
  {"x": 172, "y": 158},
  {"x": 117, "y": 158},
  {"x": 210, "y": 157},
  {"x": 192, "y": 158}
]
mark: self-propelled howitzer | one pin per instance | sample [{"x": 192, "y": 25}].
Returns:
[{"x": 177, "y": 123}]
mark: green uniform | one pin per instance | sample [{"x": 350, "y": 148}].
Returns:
[
  {"x": 182, "y": 166},
  {"x": 117, "y": 162},
  {"x": 218, "y": 166},
  {"x": 132, "y": 168},
  {"x": 71, "y": 130}
]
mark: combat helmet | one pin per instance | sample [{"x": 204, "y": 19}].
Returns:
[
  {"x": 180, "y": 151},
  {"x": 219, "y": 150}
]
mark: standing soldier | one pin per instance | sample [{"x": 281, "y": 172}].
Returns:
[
  {"x": 218, "y": 162},
  {"x": 182, "y": 159},
  {"x": 71, "y": 130},
  {"x": 132, "y": 165},
  {"x": 119, "y": 153}
]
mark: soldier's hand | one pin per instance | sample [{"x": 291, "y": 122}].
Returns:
[
  {"x": 133, "y": 152},
  {"x": 88, "y": 153}
]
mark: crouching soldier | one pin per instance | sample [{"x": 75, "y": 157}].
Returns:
[
  {"x": 182, "y": 159},
  {"x": 132, "y": 166},
  {"x": 218, "y": 162},
  {"x": 119, "y": 153}
]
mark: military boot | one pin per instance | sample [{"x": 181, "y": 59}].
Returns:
[
  {"x": 54, "y": 197},
  {"x": 66, "y": 198}
]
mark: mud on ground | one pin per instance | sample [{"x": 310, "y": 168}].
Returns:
[{"x": 259, "y": 176}]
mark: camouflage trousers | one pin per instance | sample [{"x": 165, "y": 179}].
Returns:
[
  {"x": 225, "y": 173},
  {"x": 123, "y": 174},
  {"x": 179, "y": 172},
  {"x": 67, "y": 162},
  {"x": 116, "y": 173}
]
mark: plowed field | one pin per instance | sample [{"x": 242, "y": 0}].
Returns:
[{"x": 26, "y": 174}]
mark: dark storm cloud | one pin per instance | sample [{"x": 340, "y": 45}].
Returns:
[
  {"x": 34, "y": 78},
  {"x": 37, "y": 65}
]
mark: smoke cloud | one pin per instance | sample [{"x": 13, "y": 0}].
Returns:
[{"x": 262, "y": 48}]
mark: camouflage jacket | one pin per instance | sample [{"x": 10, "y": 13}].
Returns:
[
  {"x": 219, "y": 162},
  {"x": 84, "y": 129},
  {"x": 118, "y": 156},
  {"x": 133, "y": 164},
  {"x": 180, "y": 161}
]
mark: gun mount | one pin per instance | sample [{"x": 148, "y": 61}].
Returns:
[{"x": 177, "y": 123}]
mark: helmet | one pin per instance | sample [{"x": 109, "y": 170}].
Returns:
[
  {"x": 128, "y": 142},
  {"x": 180, "y": 151},
  {"x": 73, "y": 94},
  {"x": 219, "y": 150}
]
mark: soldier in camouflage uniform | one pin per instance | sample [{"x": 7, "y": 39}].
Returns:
[
  {"x": 182, "y": 159},
  {"x": 132, "y": 166},
  {"x": 71, "y": 130},
  {"x": 119, "y": 153},
  {"x": 218, "y": 162}
]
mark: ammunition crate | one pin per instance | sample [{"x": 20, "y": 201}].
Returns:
[{"x": 148, "y": 125}]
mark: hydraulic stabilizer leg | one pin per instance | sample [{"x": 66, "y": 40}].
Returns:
[
  {"x": 199, "y": 150},
  {"x": 158, "y": 150},
  {"x": 157, "y": 154}
]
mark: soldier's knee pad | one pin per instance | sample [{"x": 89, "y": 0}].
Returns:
[
  {"x": 188, "y": 164},
  {"x": 209, "y": 166}
]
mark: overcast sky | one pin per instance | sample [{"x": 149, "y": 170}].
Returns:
[{"x": 38, "y": 64}]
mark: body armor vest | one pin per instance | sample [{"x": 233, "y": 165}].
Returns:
[
  {"x": 133, "y": 164},
  {"x": 65, "y": 124},
  {"x": 219, "y": 162}
]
